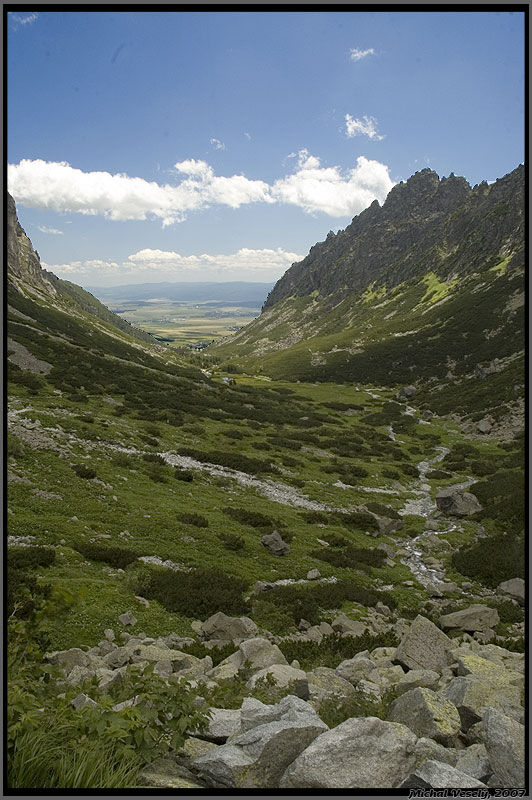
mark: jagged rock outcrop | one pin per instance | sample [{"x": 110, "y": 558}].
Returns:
[{"x": 391, "y": 244}]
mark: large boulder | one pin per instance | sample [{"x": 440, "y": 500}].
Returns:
[
  {"x": 324, "y": 682},
  {"x": 225, "y": 628},
  {"x": 275, "y": 543},
  {"x": 514, "y": 588},
  {"x": 344, "y": 624},
  {"x": 505, "y": 745},
  {"x": 457, "y": 502},
  {"x": 223, "y": 723},
  {"x": 426, "y": 714},
  {"x": 438, "y": 775},
  {"x": 291, "y": 708},
  {"x": 424, "y": 646},
  {"x": 284, "y": 676},
  {"x": 429, "y": 750},
  {"x": 360, "y": 753},
  {"x": 260, "y": 653},
  {"x": 473, "y": 696},
  {"x": 358, "y": 668},
  {"x": 67, "y": 659},
  {"x": 414, "y": 678},
  {"x": 474, "y": 761},
  {"x": 477, "y": 617},
  {"x": 257, "y": 758}
]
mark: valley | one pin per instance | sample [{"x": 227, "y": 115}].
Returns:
[{"x": 248, "y": 526}]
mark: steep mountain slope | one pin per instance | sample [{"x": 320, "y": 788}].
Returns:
[{"x": 428, "y": 289}]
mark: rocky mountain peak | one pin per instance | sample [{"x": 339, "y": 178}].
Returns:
[{"x": 25, "y": 269}]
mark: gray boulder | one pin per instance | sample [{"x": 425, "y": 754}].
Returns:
[
  {"x": 291, "y": 708},
  {"x": 414, "y": 678},
  {"x": 429, "y": 750},
  {"x": 474, "y": 761},
  {"x": 128, "y": 618},
  {"x": 223, "y": 723},
  {"x": 477, "y": 617},
  {"x": 424, "y": 646},
  {"x": 343, "y": 624},
  {"x": 67, "y": 659},
  {"x": 514, "y": 588},
  {"x": 275, "y": 543},
  {"x": 81, "y": 701},
  {"x": 225, "y": 628},
  {"x": 358, "y": 668},
  {"x": 438, "y": 775},
  {"x": 426, "y": 714},
  {"x": 313, "y": 575},
  {"x": 472, "y": 696},
  {"x": 258, "y": 757},
  {"x": 457, "y": 502},
  {"x": 505, "y": 745},
  {"x": 260, "y": 653},
  {"x": 360, "y": 753},
  {"x": 283, "y": 675},
  {"x": 324, "y": 682}
]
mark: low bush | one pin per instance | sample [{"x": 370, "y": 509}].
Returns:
[
  {"x": 409, "y": 469},
  {"x": 335, "y": 709},
  {"x": 118, "y": 557},
  {"x": 492, "y": 560},
  {"x": 391, "y": 473},
  {"x": 382, "y": 510},
  {"x": 314, "y": 517},
  {"x": 15, "y": 448},
  {"x": 199, "y": 593},
  {"x": 233, "y": 434},
  {"x": 334, "y": 648},
  {"x": 149, "y": 440},
  {"x": 358, "y": 519},
  {"x": 153, "y": 458},
  {"x": 261, "y": 446},
  {"x": 509, "y": 613},
  {"x": 438, "y": 474},
  {"x": 231, "y": 541},
  {"x": 183, "y": 474},
  {"x": 30, "y": 557},
  {"x": 193, "y": 519},
  {"x": 84, "y": 472},
  {"x": 252, "y": 518},
  {"x": 121, "y": 460}
]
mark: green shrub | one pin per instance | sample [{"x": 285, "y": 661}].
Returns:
[
  {"x": 252, "y": 518},
  {"x": 334, "y": 648},
  {"x": 231, "y": 541},
  {"x": 193, "y": 519},
  {"x": 157, "y": 473},
  {"x": 118, "y": 557},
  {"x": 271, "y": 617},
  {"x": 154, "y": 458},
  {"x": 24, "y": 593},
  {"x": 84, "y": 472},
  {"x": 233, "y": 434},
  {"x": 509, "y": 613},
  {"x": 438, "y": 474},
  {"x": 183, "y": 474},
  {"x": 121, "y": 460},
  {"x": 199, "y": 593},
  {"x": 15, "y": 448},
  {"x": 30, "y": 557},
  {"x": 503, "y": 498},
  {"x": 149, "y": 440},
  {"x": 314, "y": 517},
  {"x": 382, "y": 510},
  {"x": 358, "y": 519},
  {"x": 288, "y": 461},
  {"x": 391, "y": 473},
  {"x": 492, "y": 560},
  {"x": 335, "y": 709},
  {"x": 409, "y": 469},
  {"x": 261, "y": 446}
]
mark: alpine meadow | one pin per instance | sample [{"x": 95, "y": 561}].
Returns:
[{"x": 265, "y": 548}]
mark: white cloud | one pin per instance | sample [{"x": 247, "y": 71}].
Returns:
[
  {"x": 217, "y": 144},
  {"x": 164, "y": 265},
  {"x": 356, "y": 55},
  {"x": 22, "y": 19},
  {"x": 45, "y": 229},
  {"x": 247, "y": 135},
  {"x": 59, "y": 187},
  {"x": 316, "y": 188},
  {"x": 367, "y": 126}
]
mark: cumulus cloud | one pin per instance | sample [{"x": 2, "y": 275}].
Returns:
[
  {"x": 59, "y": 187},
  {"x": 217, "y": 144},
  {"x": 356, "y": 55},
  {"x": 316, "y": 188},
  {"x": 45, "y": 229},
  {"x": 149, "y": 264},
  {"x": 247, "y": 135},
  {"x": 367, "y": 126}
]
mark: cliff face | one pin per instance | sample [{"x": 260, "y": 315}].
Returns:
[{"x": 425, "y": 225}]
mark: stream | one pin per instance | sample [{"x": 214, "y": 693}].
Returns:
[{"x": 423, "y": 505}]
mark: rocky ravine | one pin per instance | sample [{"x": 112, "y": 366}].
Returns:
[{"x": 456, "y": 720}]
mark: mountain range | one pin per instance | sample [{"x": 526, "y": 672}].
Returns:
[{"x": 428, "y": 289}]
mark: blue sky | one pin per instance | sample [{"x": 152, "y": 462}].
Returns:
[{"x": 155, "y": 146}]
